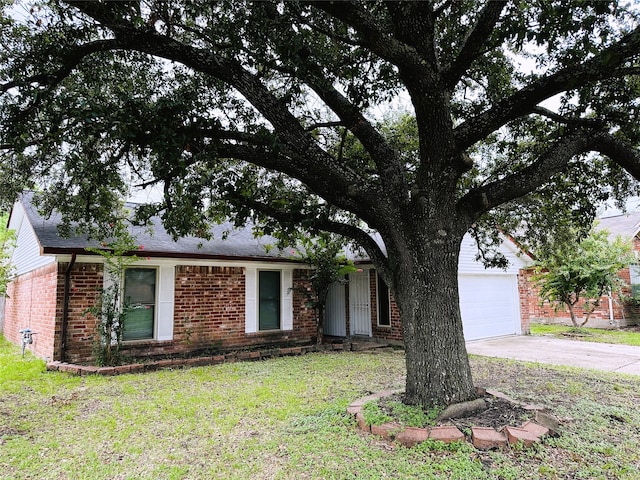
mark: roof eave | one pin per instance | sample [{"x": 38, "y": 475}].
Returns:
[{"x": 180, "y": 255}]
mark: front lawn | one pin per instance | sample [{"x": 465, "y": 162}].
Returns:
[
  {"x": 285, "y": 419},
  {"x": 625, "y": 336}
]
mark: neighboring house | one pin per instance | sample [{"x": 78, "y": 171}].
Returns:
[
  {"x": 219, "y": 294},
  {"x": 612, "y": 312}
]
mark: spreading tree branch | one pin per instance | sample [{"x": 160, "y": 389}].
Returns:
[
  {"x": 618, "y": 150},
  {"x": 609, "y": 63},
  {"x": 484, "y": 198},
  {"x": 340, "y": 195},
  {"x": 70, "y": 59},
  {"x": 555, "y": 160},
  {"x": 572, "y": 121},
  {"x": 474, "y": 43},
  {"x": 321, "y": 223},
  {"x": 379, "y": 38},
  {"x": 312, "y": 165}
]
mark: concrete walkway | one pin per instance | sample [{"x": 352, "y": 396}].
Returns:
[{"x": 556, "y": 351}]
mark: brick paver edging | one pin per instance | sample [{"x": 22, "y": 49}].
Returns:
[
  {"x": 482, "y": 438},
  {"x": 196, "y": 361}
]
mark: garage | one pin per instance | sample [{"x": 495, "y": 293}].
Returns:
[
  {"x": 489, "y": 297},
  {"x": 489, "y": 305}
]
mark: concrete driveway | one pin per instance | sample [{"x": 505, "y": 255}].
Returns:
[{"x": 556, "y": 351}]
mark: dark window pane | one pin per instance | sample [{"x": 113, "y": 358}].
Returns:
[
  {"x": 383, "y": 303},
  {"x": 269, "y": 300},
  {"x": 140, "y": 294}
]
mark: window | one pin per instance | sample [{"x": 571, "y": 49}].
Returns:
[
  {"x": 269, "y": 300},
  {"x": 384, "y": 305},
  {"x": 634, "y": 280},
  {"x": 140, "y": 293}
]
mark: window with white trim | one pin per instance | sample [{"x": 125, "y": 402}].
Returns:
[
  {"x": 140, "y": 295},
  {"x": 269, "y": 299}
]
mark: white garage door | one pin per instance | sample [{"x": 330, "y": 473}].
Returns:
[{"x": 489, "y": 305}]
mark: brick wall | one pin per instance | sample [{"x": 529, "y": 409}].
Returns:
[
  {"x": 209, "y": 314},
  {"x": 31, "y": 303},
  {"x": 527, "y": 298},
  {"x": 304, "y": 316},
  {"x": 533, "y": 311},
  {"x": 86, "y": 282},
  {"x": 392, "y": 333},
  {"x": 209, "y": 307}
]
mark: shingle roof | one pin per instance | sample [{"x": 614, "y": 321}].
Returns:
[
  {"x": 626, "y": 225},
  {"x": 240, "y": 243}
]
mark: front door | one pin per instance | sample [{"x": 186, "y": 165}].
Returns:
[
  {"x": 335, "y": 321},
  {"x": 360, "y": 303}
]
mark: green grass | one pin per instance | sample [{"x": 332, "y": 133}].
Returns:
[
  {"x": 377, "y": 412},
  {"x": 599, "y": 335},
  {"x": 285, "y": 419}
]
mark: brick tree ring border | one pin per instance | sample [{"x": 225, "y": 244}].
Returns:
[{"x": 482, "y": 438}]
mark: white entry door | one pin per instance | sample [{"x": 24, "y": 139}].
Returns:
[
  {"x": 360, "y": 303},
  {"x": 335, "y": 321}
]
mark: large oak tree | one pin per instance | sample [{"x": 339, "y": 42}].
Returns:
[{"x": 263, "y": 110}]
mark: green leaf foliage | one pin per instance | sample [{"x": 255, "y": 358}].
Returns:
[
  {"x": 116, "y": 115},
  {"x": 583, "y": 271}
]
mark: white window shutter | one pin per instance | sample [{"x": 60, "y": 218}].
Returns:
[
  {"x": 287, "y": 300},
  {"x": 166, "y": 293},
  {"x": 250, "y": 304}
]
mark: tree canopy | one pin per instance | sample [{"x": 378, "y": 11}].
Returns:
[
  {"x": 266, "y": 111},
  {"x": 250, "y": 87}
]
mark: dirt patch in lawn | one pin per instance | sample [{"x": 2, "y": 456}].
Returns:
[
  {"x": 7, "y": 432},
  {"x": 631, "y": 328}
]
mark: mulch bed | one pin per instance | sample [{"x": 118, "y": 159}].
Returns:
[{"x": 499, "y": 413}]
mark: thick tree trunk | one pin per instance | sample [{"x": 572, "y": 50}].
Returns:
[{"x": 426, "y": 291}]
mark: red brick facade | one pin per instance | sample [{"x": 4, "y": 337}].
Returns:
[
  {"x": 31, "y": 303},
  {"x": 392, "y": 332},
  {"x": 527, "y": 298},
  {"x": 86, "y": 282},
  {"x": 209, "y": 306},
  {"x": 209, "y": 312},
  {"x": 304, "y": 316},
  {"x": 534, "y": 311}
]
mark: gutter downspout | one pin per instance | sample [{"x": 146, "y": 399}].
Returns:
[
  {"x": 65, "y": 306},
  {"x": 611, "y": 319}
]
